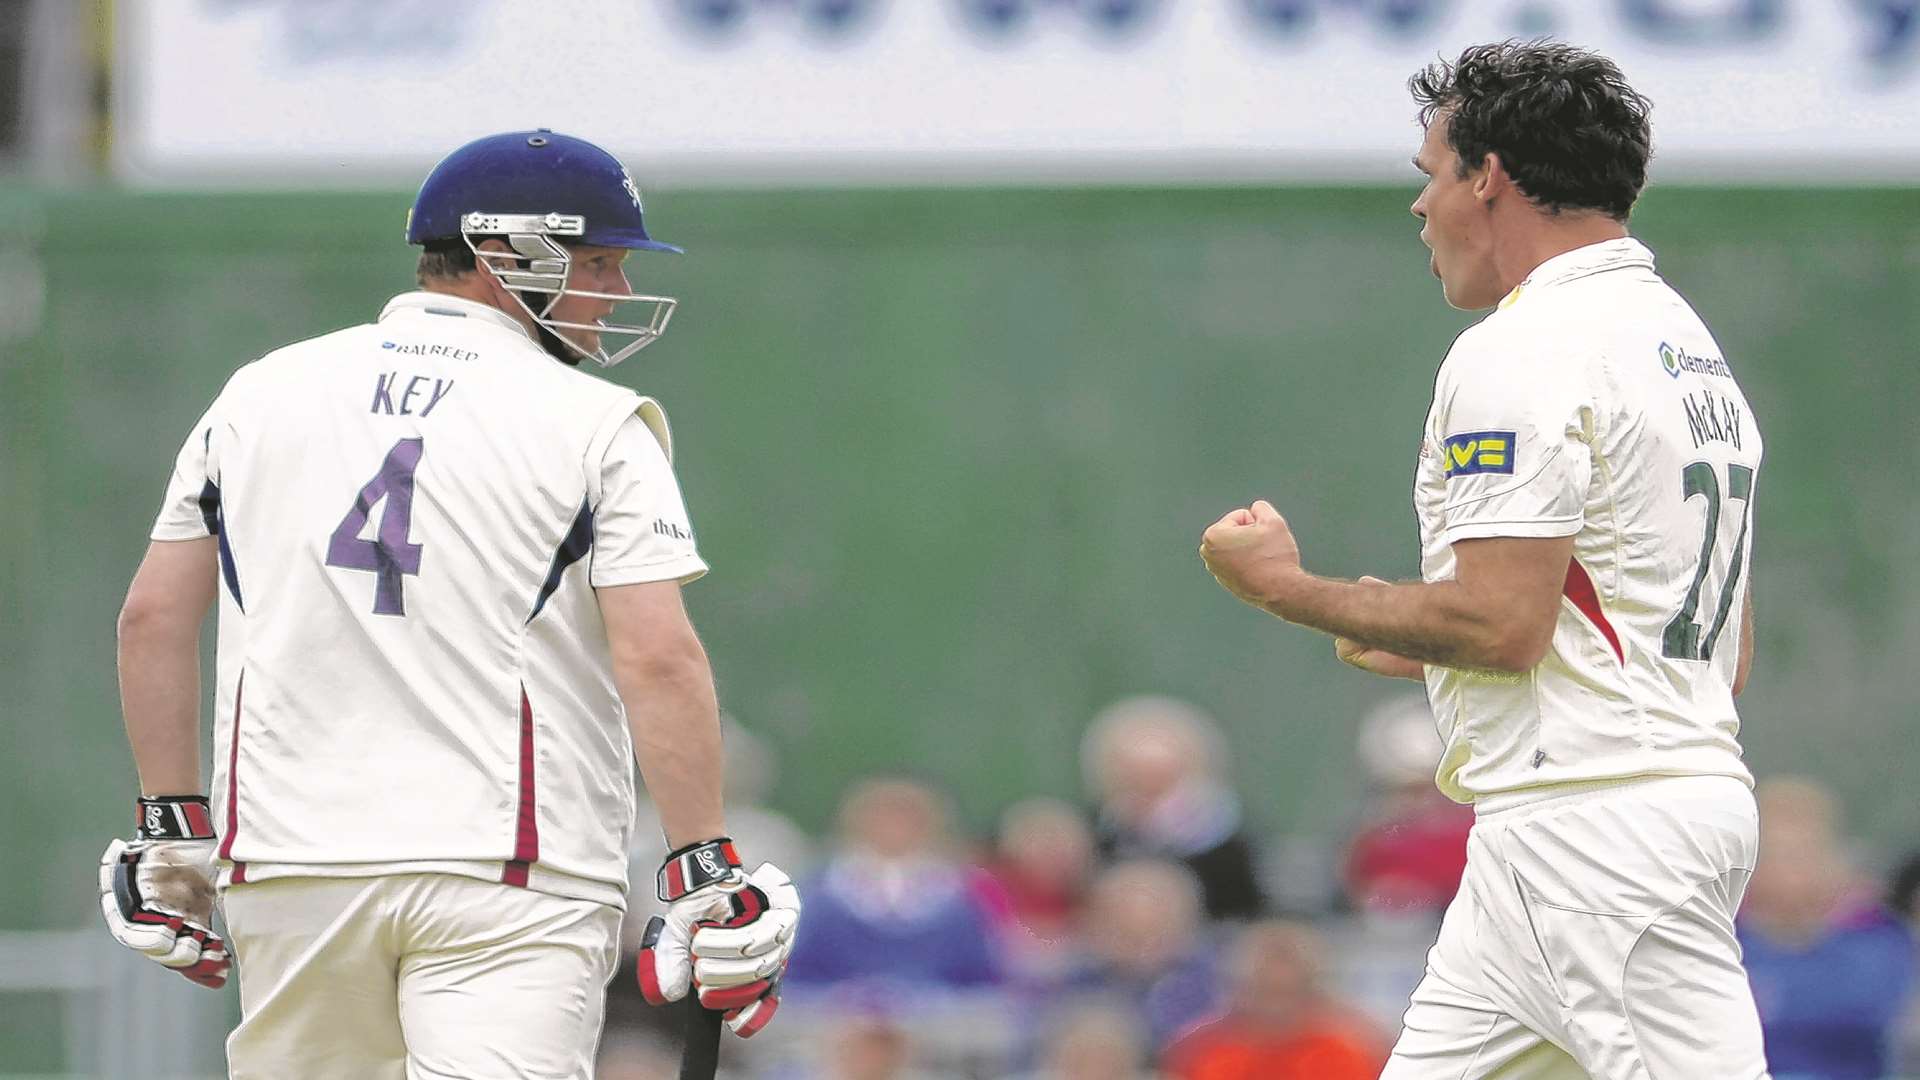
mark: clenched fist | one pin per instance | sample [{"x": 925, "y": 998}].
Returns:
[{"x": 1252, "y": 554}]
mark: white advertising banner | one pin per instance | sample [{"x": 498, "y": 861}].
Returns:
[{"x": 364, "y": 92}]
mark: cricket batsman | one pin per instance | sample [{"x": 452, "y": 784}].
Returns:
[
  {"x": 448, "y": 565},
  {"x": 1585, "y": 491}
]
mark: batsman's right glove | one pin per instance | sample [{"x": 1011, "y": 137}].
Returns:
[
  {"x": 725, "y": 934},
  {"x": 156, "y": 890}
]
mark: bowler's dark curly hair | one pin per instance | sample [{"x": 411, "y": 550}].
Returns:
[{"x": 1568, "y": 128}]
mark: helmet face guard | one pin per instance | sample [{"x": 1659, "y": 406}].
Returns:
[{"x": 538, "y": 263}]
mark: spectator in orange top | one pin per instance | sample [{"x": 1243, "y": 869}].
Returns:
[{"x": 1280, "y": 1024}]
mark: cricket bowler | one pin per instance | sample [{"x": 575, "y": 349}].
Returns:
[{"x": 1585, "y": 490}]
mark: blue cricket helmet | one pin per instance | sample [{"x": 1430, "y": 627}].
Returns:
[
  {"x": 540, "y": 193},
  {"x": 532, "y": 172}
]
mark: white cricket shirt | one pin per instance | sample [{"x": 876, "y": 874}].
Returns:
[
  {"x": 1594, "y": 403},
  {"x": 413, "y": 671}
]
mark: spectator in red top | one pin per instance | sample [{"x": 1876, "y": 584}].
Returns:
[
  {"x": 1409, "y": 855},
  {"x": 1280, "y": 1023},
  {"x": 1043, "y": 863}
]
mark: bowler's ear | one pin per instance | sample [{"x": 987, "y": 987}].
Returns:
[{"x": 1492, "y": 179}]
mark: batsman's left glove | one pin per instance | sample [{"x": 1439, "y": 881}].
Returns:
[
  {"x": 156, "y": 890},
  {"x": 725, "y": 934}
]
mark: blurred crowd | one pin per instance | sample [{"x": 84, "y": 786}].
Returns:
[{"x": 1155, "y": 933}]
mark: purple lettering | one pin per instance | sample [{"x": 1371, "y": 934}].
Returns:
[
  {"x": 382, "y": 394},
  {"x": 440, "y": 390},
  {"x": 413, "y": 387}
]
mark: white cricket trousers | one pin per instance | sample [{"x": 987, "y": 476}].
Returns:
[
  {"x": 1592, "y": 936},
  {"x": 421, "y": 976}
]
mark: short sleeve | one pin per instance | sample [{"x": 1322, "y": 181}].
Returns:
[
  {"x": 641, "y": 531},
  {"x": 1513, "y": 435},
  {"x": 191, "y": 509}
]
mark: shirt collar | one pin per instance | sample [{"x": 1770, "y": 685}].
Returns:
[
  {"x": 446, "y": 306},
  {"x": 1590, "y": 259}
]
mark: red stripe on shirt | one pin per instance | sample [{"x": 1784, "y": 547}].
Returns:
[
  {"x": 526, "y": 840},
  {"x": 233, "y": 785},
  {"x": 1579, "y": 589}
]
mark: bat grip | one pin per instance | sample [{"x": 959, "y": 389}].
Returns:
[{"x": 700, "y": 1040}]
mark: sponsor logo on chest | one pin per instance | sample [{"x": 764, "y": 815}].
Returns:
[{"x": 1675, "y": 360}]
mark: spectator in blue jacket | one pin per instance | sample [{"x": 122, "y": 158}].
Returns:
[
  {"x": 1831, "y": 967},
  {"x": 895, "y": 905}
]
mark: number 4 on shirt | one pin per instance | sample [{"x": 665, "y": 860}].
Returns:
[{"x": 389, "y": 555}]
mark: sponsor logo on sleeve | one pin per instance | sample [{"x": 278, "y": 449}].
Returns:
[{"x": 1472, "y": 453}]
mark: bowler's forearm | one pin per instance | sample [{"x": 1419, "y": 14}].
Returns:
[{"x": 1432, "y": 622}]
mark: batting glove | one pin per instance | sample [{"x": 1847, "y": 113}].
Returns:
[
  {"x": 726, "y": 935},
  {"x": 156, "y": 890}
]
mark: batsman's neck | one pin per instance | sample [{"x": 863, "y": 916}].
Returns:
[{"x": 484, "y": 289}]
